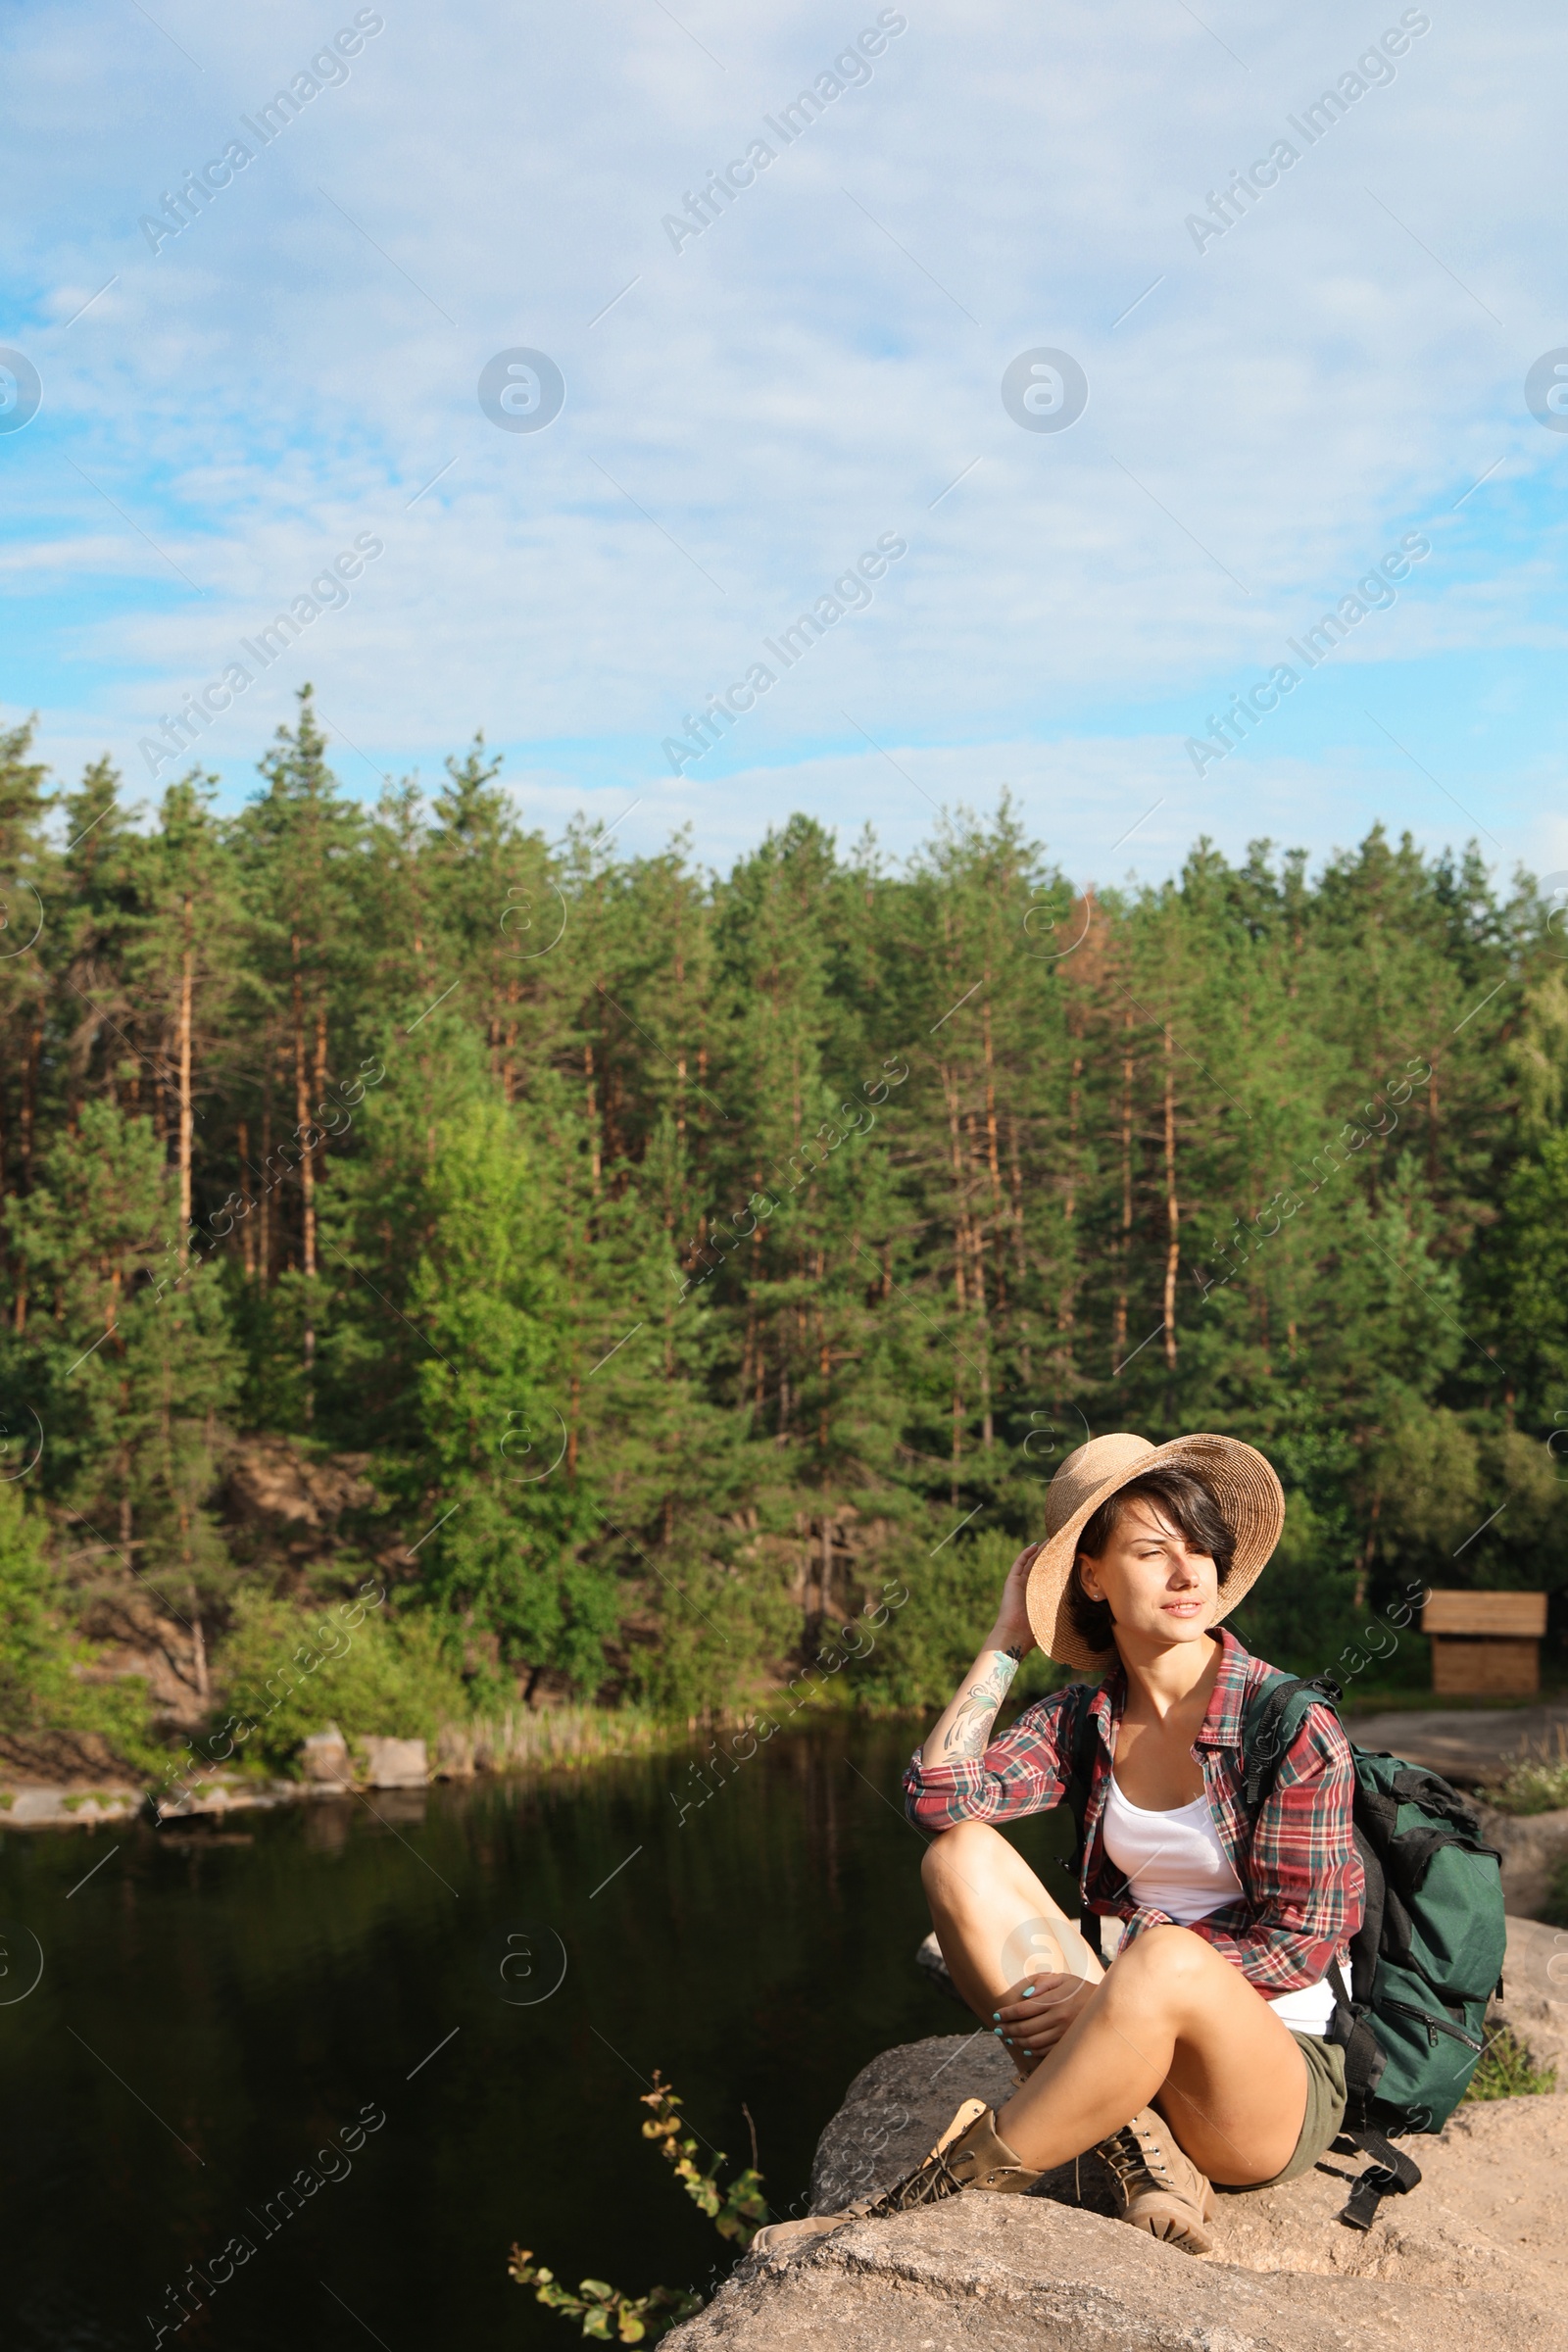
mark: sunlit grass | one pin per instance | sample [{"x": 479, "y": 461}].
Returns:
[
  {"x": 1535, "y": 1783},
  {"x": 1508, "y": 2071}
]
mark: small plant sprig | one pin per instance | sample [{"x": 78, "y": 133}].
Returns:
[
  {"x": 736, "y": 2212},
  {"x": 603, "y": 2312}
]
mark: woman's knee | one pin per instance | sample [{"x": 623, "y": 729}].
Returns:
[
  {"x": 962, "y": 1855},
  {"x": 1170, "y": 1964}
]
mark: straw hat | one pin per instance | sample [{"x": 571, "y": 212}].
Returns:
[{"x": 1246, "y": 1494}]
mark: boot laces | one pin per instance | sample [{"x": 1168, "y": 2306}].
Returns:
[
  {"x": 930, "y": 2181},
  {"x": 1134, "y": 2157}
]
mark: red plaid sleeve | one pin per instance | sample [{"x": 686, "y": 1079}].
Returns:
[
  {"x": 1023, "y": 1771},
  {"x": 1303, "y": 1873}
]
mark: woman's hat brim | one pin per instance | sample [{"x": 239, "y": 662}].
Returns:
[{"x": 1247, "y": 1493}]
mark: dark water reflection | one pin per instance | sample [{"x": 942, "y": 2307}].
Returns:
[{"x": 213, "y": 2013}]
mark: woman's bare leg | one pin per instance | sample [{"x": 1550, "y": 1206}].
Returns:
[
  {"x": 1172, "y": 2019},
  {"x": 997, "y": 1925}
]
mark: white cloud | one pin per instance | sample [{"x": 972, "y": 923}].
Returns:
[{"x": 799, "y": 379}]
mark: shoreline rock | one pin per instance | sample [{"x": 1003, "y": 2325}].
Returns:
[
  {"x": 521, "y": 1742},
  {"x": 53, "y": 1808},
  {"x": 396, "y": 1763}
]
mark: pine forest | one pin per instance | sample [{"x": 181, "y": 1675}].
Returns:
[{"x": 601, "y": 1282}]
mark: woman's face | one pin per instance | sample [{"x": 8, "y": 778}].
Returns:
[{"x": 1159, "y": 1591}]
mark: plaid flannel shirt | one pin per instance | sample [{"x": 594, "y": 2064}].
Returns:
[{"x": 1303, "y": 1892}]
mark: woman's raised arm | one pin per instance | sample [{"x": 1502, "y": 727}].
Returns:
[{"x": 962, "y": 1732}]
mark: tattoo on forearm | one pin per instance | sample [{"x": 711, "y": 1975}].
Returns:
[{"x": 969, "y": 1732}]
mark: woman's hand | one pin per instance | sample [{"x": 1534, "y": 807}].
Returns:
[
  {"x": 1011, "y": 1629},
  {"x": 1036, "y": 2012}
]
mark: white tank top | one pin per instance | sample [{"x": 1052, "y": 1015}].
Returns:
[{"x": 1174, "y": 1862}]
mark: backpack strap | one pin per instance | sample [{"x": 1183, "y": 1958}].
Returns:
[
  {"x": 1080, "y": 1769},
  {"x": 1270, "y": 1723},
  {"x": 1391, "y": 2174},
  {"x": 1414, "y": 1785},
  {"x": 1081, "y": 1754},
  {"x": 1351, "y": 2030}
]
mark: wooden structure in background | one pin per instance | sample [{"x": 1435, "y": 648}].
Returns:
[{"x": 1485, "y": 1643}]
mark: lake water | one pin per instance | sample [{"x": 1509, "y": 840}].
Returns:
[{"x": 216, "y": 2009}]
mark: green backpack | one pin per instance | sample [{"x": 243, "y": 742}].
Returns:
[
  {"x": 1430, "y": 1950},
  {"x": 1428, "y": 1956}
]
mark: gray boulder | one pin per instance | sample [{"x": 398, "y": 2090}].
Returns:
[
  {"x": 1535, "y": 1995},
  {"x": 396, "y": 1763},
  {"x": 1534, "y": 1847},
  {"x": 1475, "y": 2260},
  {"x": 1027, "y": 2275},
  {"x": 324, "y": 1756}
]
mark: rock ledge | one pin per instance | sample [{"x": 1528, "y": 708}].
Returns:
[{"x": 1475, "y": 2260}]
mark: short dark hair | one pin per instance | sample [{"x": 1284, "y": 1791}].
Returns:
[{"x": 1182, "y": 1496}]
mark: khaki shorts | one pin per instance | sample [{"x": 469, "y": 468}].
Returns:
[{"x": 1325, "y": 2105}]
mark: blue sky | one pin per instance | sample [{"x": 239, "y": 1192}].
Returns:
[{"x": 1271, "y": 409}]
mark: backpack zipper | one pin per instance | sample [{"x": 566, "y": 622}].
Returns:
[{"x": 1434, "y": 2025}]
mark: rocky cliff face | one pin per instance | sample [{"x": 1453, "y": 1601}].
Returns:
[
  {"x": 1475, "y": 2260},
  {"x": 1534, "y": 1847}
]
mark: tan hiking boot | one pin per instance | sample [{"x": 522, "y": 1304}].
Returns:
[
  {"x": 971, "y": 2155},
  {"x": 1158, "y": 2184}
]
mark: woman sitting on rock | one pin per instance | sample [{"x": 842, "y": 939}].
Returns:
[{"x": 1198, "y": 2055}]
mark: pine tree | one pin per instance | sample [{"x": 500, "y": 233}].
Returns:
[
  {"x": 302, "y": 843},
  {"x": 24, "y": 870}
]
